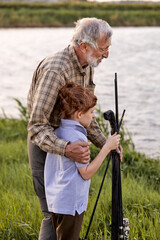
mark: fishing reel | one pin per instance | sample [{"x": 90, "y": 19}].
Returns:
[{"x": 126, "y": 228}]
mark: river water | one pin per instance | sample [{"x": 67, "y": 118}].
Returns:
[{"x": 134, "y": 56}]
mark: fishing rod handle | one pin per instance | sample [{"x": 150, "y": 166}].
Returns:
[{"x": 109, "y": 115}]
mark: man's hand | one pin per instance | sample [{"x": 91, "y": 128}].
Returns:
[{"x": 78, "y": 151}]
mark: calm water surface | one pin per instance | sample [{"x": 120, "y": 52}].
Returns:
[{"x": 134, "y": 56}]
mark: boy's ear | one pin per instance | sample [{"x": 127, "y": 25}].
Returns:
[{"x": 79, "y": 114}]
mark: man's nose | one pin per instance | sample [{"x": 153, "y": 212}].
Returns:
[{"x": 106, "y": 54}]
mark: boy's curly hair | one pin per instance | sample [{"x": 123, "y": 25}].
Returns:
[{"x": 74, "y": 97}]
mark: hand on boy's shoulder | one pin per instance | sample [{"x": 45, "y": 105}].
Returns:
[{"x": 78, "y": 152}]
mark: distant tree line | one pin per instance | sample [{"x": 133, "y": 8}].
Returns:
[{"x": 23, "y": 14}]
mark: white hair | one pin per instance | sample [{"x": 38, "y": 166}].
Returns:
[{"x": 90, "y": 30}]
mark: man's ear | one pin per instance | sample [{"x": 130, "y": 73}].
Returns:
[{"x": 83, "y": 47}]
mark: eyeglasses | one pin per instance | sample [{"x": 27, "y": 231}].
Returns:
[{"x": 103, "y": 50}]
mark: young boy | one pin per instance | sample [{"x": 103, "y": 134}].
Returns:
[{"x": 67, "y": 182}]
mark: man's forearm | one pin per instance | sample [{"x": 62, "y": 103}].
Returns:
[{"x": 47, "y": 140}]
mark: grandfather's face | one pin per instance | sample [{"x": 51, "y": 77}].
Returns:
[{"x": 95, "y": 56}]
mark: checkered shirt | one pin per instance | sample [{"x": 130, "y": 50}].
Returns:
[{"x": 51, "y": 74}]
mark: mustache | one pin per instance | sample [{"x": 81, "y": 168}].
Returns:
[{"x": 100, "y": 58}]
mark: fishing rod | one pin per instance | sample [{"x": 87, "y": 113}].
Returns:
[
  {"x": 119, "y": 226},
  {"x": 109, "y": 115},
  {"x": 117, "y": 208},
  {"x": 117, "y": 213}
]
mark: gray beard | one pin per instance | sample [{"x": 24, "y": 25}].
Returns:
[{"x": 93, "y": 62}]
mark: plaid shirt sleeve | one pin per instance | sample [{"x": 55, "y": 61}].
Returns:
[
  {"x": 41, "y": 105},
  {"x": 95, "y": 135}
]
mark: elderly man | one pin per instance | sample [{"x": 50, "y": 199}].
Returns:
[{"x": 90, "y": 44}]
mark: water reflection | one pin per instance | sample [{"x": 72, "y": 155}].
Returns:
[{"x": 134, "y": 55}]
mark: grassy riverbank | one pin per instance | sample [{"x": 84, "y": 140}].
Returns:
[
  {"x": 65, "y": 14},
  {"x": 19, "y": 208}
]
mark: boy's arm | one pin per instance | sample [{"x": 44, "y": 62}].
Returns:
[{"x": 88, "y": 171}]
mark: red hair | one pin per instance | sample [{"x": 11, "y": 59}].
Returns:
[{"x": 74, "y": 97}]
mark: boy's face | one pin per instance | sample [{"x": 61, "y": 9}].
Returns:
[{"x": 86, "y": 118}]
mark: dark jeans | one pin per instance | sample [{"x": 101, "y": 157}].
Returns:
[
  {"x": 67, "y": 226},
  {"x": 37, "y": 160}
]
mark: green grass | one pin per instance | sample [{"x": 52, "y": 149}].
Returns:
[
  {"x": 19, "y": 209},
  {"x": 140, "y": 205},
  {"x": 18, "y": 14}
]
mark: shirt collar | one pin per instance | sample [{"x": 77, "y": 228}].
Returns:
[
  {"x": 73, "y": 124},
  {"x": 75, "y": 60}
]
